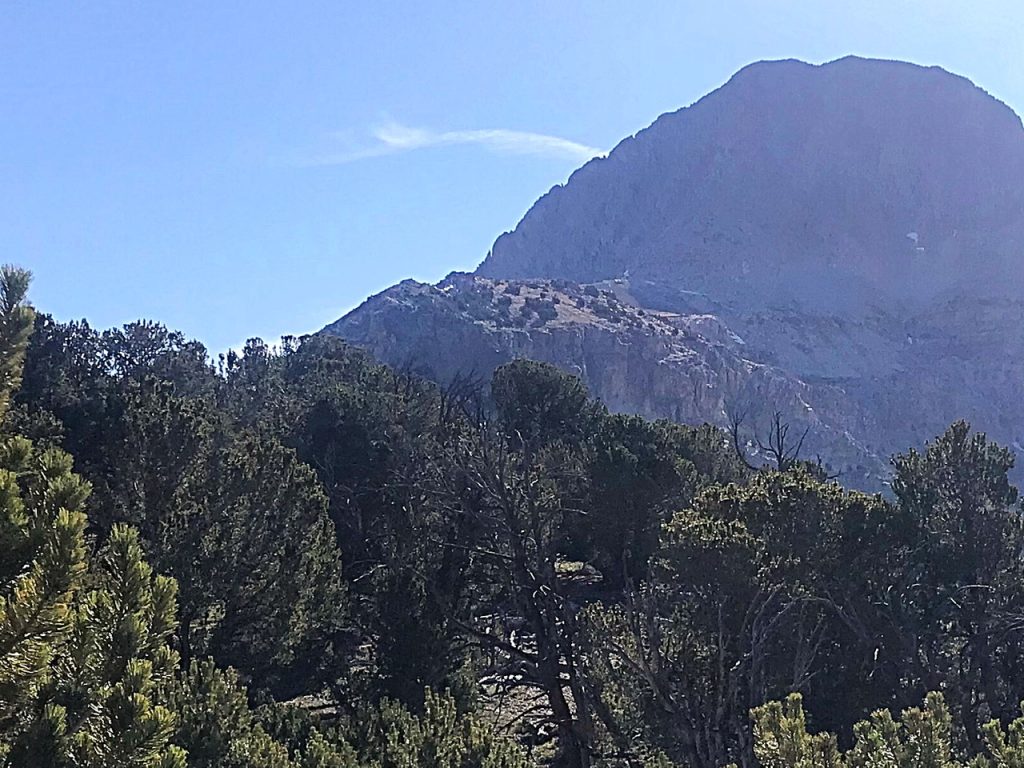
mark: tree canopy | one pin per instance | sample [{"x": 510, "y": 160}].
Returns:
[{"x": 294, "y": 556}]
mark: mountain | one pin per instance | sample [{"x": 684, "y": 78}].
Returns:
[{"x": 841, "y": 243}]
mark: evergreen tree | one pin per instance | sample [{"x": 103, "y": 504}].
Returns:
[
  {"x": 82, "y": 646},
  {"x": 921, "y": 738},
  {"x": 244, "y": 525},
  {"x": 962, "y": 584},
  {"x": 756, "y": 590}
]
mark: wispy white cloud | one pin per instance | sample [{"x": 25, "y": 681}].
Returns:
[{"x": 394, "y": 138}]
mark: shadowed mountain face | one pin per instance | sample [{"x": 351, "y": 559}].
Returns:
[
  {"x": 843, "y": 243},
  {"x": 829, "y": 188}
]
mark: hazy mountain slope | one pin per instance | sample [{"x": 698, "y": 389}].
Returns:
[
  {"x": 855, "y": 230},
  {"x": 788, "y": 180}
]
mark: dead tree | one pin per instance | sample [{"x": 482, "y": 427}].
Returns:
[{"x": 780, "y": 449}]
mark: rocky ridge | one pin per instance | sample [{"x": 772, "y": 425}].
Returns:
[{"x": 690, "y": 368}]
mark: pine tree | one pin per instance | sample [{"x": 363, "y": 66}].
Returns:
[
  {"x": 16, "y": 319},
  {"x": 81, "y": 646},
  {"x": 42, "y": 547},
  {"x": 921, "y": 738}
]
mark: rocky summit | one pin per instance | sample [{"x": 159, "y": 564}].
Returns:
[{"x": 842, "y": 244}]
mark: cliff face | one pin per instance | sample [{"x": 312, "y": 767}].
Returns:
[
  {"x": 686, "y": 367},
  {"x": 842, "y": 243}
]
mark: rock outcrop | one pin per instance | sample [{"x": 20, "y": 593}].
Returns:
[{"x": 687, "y": 367}]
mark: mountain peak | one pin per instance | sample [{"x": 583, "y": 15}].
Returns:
[
  {"x": 792, "y": 178},
  {"x": 842, "y": 243}
]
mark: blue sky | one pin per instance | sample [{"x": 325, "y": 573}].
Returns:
[{"x": 235, "y": 169}]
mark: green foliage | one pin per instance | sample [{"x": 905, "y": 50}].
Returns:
[
  {"x": 922, "y": 738},
  {"x": 638, "y": 474},
  {"x": 757, "y": 590},
  {"x": 613, "y": 591},
  {"x": 963, "y": 578},
  {"x": 254, "y": 530},
  {"x": 958, "y": 497},
  {"x": 98, "y": 706},
  {"x": 537, "y": 403},
  {"x": 234, "y": 515},
  {"x": 244, "y": 526},
  {"x": 217, "y": 726},
  {"x": 43, "y": 565},
  {"x": 220, "y": 730},
  {"x": 82, "y": 645},
  {"x": 16, "y": 319},
  {"x": 781, "y": 739},
  {"x": 83, "y": 650},
  {"x": 439, "y": 738},
  {"x": 381, "y": 446}
]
